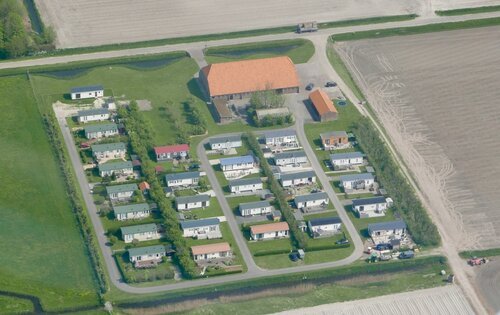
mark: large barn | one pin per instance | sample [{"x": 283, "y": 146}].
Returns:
[{"x": 239, "y": 79}]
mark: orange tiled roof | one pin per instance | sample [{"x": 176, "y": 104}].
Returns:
[
  {"x": 271, "y": 227},
  {"x": 322, "y": 102},
  {"x": 251, "y": 75},
  {"x": 210, "y": 248}
]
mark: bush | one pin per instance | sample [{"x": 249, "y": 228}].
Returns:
[{"x": 421, "y": 228}]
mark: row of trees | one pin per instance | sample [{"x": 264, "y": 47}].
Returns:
[
  {"x": 422, "y": 229},
  {"x": 299, "y": 238},
  {"x": 195, "y": 118},
  {"x": 50, "y": 124},
  {"x": 270, "y": 120},
  {"x": 15, "y": 38},
  {"x": 141, "y": 143}
]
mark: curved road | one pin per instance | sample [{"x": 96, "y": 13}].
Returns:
[{"x": 320, "y": 41}]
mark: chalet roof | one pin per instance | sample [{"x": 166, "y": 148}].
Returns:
[
  {"x": 311, "y": 197},
  {"x": 335, "y": 134},
  {"x": 290, "y": 155},
  {"x": 112, "y": 166},
  {"x": 108, "y": 147},
  {"x": 101, "y": 127},
  {"x": 322, "y": 102},
  {"x": 121, "y": 188},
  {"x": 210, "y": 248},
  {"x": 245, "y": 181},
  {"x": 92, "y": 112},
  {"x": 368, "y": 201},
  {"x": 353, "y": 177},
  {"x": 271, "y": 227},
  {"x": 143, "y": 228},
  {"x": 199, "y": 223},
  {"x": 171, "y": 149},
  {"x": 386, "y": 226},
  {"x": 88, "y": 88},
  {"x": 191, "y": 199},
  {"x": 237, "y": 160},
  {"x": 279, "y": 133},
  {"x": 347, "y": 155},
  {"x": 148, "y": 250},
  {"x": 325, "y": 221},
  {"x": 180, "y": 176},
  {"x": 140, "y": 207},
  {"x": 217, "y": 140},
  {"x": 297, "y": 175},
  {"x": 255, "y": 204}
]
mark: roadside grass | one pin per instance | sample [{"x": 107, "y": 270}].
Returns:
[
  {"x": 36, "y": 212},
  {"x": 326, "y": 214},
  {"x": 480, "y": 253},
  {"x": 13, "y": 305},
  {"x": 227, "y": 236},
  {"x": 299, "y": 50},
  {"x": 412, "y": 30},
  {"x": 464, "y": 11},
  {"x": 243, "y": 150}
]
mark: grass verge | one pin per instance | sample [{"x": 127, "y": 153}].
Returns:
[
  {"x": 299, "y": 50},
  {"x": 480, "y": 253},
  {"x": 464, "y": 11}
]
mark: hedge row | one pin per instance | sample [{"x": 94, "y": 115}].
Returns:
[
  {"x": 298, "y": 237},
  {"x": 325, "y": 247},
  {"x": 84, "y": 225},
  {"x": 141, "y": 142},
  {"x": 271, "y": 252},
  {"x": 422, "y": 229}
]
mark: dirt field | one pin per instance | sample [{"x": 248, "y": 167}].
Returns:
[
  {"x": 458, "y": 4},
  {"x": 81, "y": 23},
  {"x": 437, "y": 96},
  {"x": 441, "y": 300}
]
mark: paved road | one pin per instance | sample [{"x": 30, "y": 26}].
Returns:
[
  {"x": 319, "y": 40},
  {"x": 228, "y": 213}
]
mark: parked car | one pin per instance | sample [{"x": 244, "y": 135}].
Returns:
[
  {"x": 383, "y": 247},
  {"x": 194, "y": 166},
  {"x": 342, "y": 241},
  {"x": 406, "y": 255},
  {"x": 294, "y": 256},
  {"x": 330, "y": 84},
  {"x": 310, "y": 86}
]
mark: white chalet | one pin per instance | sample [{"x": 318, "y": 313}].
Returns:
[
  {"x": 129, "y": 212},
  {"x": 121, "y": 192},
  {"x": 385, "y": 232},
  {"x": 371, "y": 207},
  {"x": 90, "y": 115},
  {"x": 101, "y": 130},
  {"x": 290, "y": 158},
  {"x": 280, "y": 137},
  {"x": 269, "y": 231},
  {"x": 297, "y": 179},
  {"x": 255, "y": 208},
  {"x": 146, "y": 255},
  {"x": 245, "y": 185},
  {"x": 91, "y": 91},
  {"x": 192, "y": 202},
  {"x": 345, "y": 160},
  {"x": 109, "y": 150},
  {"x": 225, "y": 143},
  {"x": 211, "y": 251},
  {"x": 185, "y": 179},
  {"x": 324, "y": 226},
  {"x": 319, "y": 199},
  {"x": 237, "y": 163},
  {"x": 124, "y": 168},
  {"x": 357, "y": 181},
  {"x": 201, "y": 229},
  {"x": 141, "y": 233}
]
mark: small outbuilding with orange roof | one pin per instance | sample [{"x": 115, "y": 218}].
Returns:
[
  {"x": 323, "y": 105},
  {"x": 239, "y": 79}
]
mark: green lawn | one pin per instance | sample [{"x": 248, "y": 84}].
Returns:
[
  {"x": 299, "y": 50},
  {"x": 12, "y": 305},
  {"x": 162, "y": 274},
  {"x": 464, "y": 11},
  {"x": 213, "y": 211},
  {"x": 227, "y": 236},
  {"x": 36, "y": 213}
]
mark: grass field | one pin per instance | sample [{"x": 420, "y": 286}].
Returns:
[
  {"x": 464, "y": 11},
  {"x": 12, "y": 305},
  {"x": 36, "y": 213},
  {"x": 299, "y": 50}
]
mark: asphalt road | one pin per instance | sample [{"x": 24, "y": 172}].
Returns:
[{"x": 319, "y": 40}]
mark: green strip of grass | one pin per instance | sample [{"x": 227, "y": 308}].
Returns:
[
  {"x": 480, "y": 253},
  {"x": 299, "y": 50},
  {"x": 13, "y": 305},
  {"x": 412, "y": 30},
  {"x": 372, "y": 20},
  {"x": 464, "y": 11}
]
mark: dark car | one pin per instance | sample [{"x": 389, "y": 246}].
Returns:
[
  {"x": 330, "y": 84},
  {"x": 383, "y": 247},
  {"x": 406, "y": 255},
  {"x": 342, "y": 241},
  {"x": 194, "y": 166},
  {"x": 294, "y": 256},
  {"x": 310, "y": 86}
]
